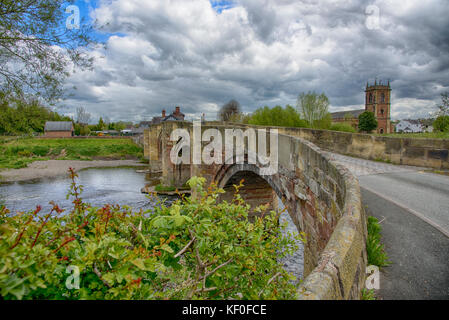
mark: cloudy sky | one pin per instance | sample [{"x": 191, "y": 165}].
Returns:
[{"x": 199, "y": 54}]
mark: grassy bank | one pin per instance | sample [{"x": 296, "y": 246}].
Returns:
[
  {"x": 425, "y": 135},
  {"x": 374, "y": 248},
  {"x": 18, "y": 153}
]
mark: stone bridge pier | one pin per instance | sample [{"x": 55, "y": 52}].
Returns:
[{"x": 321, "y": 196}]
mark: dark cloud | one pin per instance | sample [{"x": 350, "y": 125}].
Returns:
[{"x": 263, "y": 53}]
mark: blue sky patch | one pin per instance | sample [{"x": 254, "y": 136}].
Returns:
[{"x": 221, "y": 5}]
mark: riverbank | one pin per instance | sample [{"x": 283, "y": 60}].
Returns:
[
  {"x": 54, "y": 168},
  {"x": 20, "y": 152}
]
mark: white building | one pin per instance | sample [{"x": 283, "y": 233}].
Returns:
[{"x": 412, "y": 126}]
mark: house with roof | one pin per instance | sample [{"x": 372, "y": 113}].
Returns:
[
  {"x": 59, "y": 129},
  {"x": 176, "y": 115},
  {"x": 413, "y": 126}
]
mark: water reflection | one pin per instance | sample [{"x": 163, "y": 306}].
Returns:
[{"x": 101, "y": 186}]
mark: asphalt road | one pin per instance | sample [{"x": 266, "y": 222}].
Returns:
[{"x": 413, "y": 207}]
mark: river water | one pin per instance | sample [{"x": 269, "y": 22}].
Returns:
[{"x": 107, "y": 186}]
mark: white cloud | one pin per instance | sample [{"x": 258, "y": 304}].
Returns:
[{"x": 184, "y": 53}]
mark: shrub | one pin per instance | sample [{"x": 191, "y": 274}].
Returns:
[
  {"x": 341, "y": 126},
  {"x": 195, "y": 249}
]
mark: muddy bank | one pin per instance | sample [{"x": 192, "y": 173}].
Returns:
[{"x": 54, "y": 168}]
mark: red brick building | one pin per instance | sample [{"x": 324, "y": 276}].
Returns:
[
  {"x": 176, "y": 115},
  {"x": 58, "y": 129},
  {"x": 377, "y": 100}
]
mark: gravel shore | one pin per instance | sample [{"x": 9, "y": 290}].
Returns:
[{"x": 54, "y": 168}]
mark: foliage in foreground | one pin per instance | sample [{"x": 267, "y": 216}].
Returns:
[
  {"x": 195, "y": 249},
  {"x": 374, "y": 248},
  {"x": 18, "y": 153}
]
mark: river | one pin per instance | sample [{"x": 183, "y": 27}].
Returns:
[{"x": 106, "y": 186}]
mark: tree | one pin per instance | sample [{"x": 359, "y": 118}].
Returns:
[
  {"x": 37, "y": 48},
  {"x": 101, "y": 124},
  {"x": 367, "y": 121},
  {"x": 443, "y": 108},
  {"x": 23, "y": 115},
  {"x": 313, "y": 107},
  {"x": 441, "y": 124},
  {"x": 324, "y": 123},
  {"x": 277, "y": 116},
  {"x": 229, "y": 110},
  {"x": 84, "y": 131},
  {"x": 82, "y": 116}
]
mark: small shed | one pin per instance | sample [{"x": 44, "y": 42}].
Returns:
[{"x": 58, "y": 129}]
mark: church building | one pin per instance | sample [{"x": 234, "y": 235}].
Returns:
[{"x": 377, "y": 100}]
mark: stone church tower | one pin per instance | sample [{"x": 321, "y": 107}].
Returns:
[{"x": 377, "y": 100}]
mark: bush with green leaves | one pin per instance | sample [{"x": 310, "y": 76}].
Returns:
[
  {"x": 198, "y": 248},
  {"x": 367, "y": 121},
  {"x": 441, "y": 124},
  {"x": 277, "y": 116}
]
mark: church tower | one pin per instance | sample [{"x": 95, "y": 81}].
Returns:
[{"x": 377, "y": 100}]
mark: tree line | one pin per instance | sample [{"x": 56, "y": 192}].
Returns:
[
  {"x": 22, "y": 116},
  {"x": 311, "y": 111},
  {"x": 25, "y": 116}
]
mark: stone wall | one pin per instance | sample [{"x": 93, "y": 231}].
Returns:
[{"x": 433, "y": 153}]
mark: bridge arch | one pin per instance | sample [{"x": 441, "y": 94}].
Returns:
[{"x": 257, "y": 188}]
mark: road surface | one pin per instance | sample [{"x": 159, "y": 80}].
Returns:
[{"x": 413, "y": 207}]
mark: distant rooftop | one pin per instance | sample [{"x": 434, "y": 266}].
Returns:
[{"x": 58, "y": 126}]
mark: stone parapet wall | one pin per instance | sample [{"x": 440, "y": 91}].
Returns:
[
  {"x": 422, "y": 152},
  {"x": 340, "y": 271}
]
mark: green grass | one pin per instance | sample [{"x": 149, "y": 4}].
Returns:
[
  {"x": 368, "y": 294},
  {"x": 341, "y": 126},
  {"x": 383, "y": 160},
  {"x": 425, "y": 135},
  {"x": 161, "y": 188},
  {"x": 374, "y": 248},
  {"x": 18, "y": 153}
]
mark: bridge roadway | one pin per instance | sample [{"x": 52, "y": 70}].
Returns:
[{"x": 413, "y": 207}]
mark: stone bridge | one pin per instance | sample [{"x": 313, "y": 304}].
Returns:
[{"x": 321, "y": 196}]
